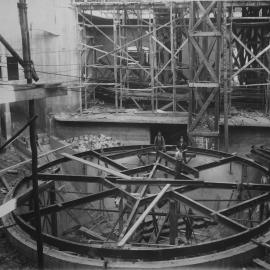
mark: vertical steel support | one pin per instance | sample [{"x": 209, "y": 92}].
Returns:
[{"x": 28, "y": 75}]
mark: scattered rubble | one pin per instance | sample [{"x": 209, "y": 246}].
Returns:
[{"x": 92, "y": 142}]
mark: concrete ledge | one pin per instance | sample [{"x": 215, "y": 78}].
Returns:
[{"x": 13, "y": 93}]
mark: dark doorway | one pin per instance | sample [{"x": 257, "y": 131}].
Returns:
[{"x": 171, "y": 133}]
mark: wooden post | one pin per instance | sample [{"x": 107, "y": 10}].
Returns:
[
  {"x": 151, "y": 60},
  {"x": 115, "y": 61},
  {"x": 225, "y": 81},
  {"x": 173, "y": 222},
  {"x": 121, "y": 220},
  {"x": 172, "y": 28},
  {"x": 191, "y": 71},
  {"x": 143, "y": 215},
  {"x": 217, "y": 71},
  {"x": 155, "y": 57},
  {"x": 54, "y": 225},
  {"x": 28, "y": 75}
]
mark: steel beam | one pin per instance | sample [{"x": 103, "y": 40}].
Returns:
[
  {"x": 59, "y": 207},
  {"x": 143, "y": 150},
  {"x": 207, "y": 211},
  {"x": 245, "y": 204},
  {"x": 187, "y": 168},
  {"x": 108, "y": 160},
  {"x": 216, "y": 163}
]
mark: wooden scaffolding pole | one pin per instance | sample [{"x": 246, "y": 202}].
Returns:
[
  {"x": 28, "y": 75},
  {"x": 115, "y": 61},
  {"x": 225, "y": 80},
  {"x": 173, "y": 66}
]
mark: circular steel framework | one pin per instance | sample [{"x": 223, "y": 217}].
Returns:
[{"x": 148, "y": 207}]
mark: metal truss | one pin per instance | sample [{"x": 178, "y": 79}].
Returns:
[{"x": 147, "y": 205}]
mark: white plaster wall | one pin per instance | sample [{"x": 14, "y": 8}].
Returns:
[{"x": 53, "y": 39}]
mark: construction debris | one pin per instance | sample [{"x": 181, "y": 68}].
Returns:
[{"x": 92, "y": 142}]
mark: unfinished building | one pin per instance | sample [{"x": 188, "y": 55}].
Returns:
[{"x": 103, "y": 194}]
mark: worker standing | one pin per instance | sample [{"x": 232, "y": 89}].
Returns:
[
  {"x": 182, "y": 143},
  {"x": 159, "y": 143},
  {"x": 179, "y": 156}
]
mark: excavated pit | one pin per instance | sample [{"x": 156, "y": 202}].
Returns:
[{"x": 85, "y": 210}]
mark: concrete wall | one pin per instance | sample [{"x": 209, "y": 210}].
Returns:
[
  {"x": 242, "y": 138},
  {"x": 53, "y": 39}
]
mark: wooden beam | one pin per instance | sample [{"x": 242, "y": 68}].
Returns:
[
  {"x": 138, "y": 202},
  {"x": 5, "y": 170},
  {"x": 261, "y": 263},
  {"x": 204, "y": 108},
  {"x": 12, "y": 204},
  {"x": 251, "y": 53},
  {"x": 206, "y": 18},
  {"x": 203, "y": 84},
  {"x": 142, "y": 216},
  {"x": 251, "y": 60},
  {"x": 96, "y": 166},
  {"x": 204, "y": 59},
  {"x": 89, "y": 233},
  {"x": 108, "y": 160},
  {"x": 207, "y": 211},
  {"x": 203, "y": 16}
]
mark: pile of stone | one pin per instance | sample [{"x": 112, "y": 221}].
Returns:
[{"x": 92, "y": 142}]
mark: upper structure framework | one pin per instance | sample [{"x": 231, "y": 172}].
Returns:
[{"x": 176, "y": 55}]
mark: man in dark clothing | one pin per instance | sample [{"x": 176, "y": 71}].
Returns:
[{"x": 159, "y": 142}]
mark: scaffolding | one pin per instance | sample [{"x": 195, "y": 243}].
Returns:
[{"x": 177, "y": 56}]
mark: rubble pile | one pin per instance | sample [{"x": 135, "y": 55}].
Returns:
[{"x": 92, "y": 142}]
